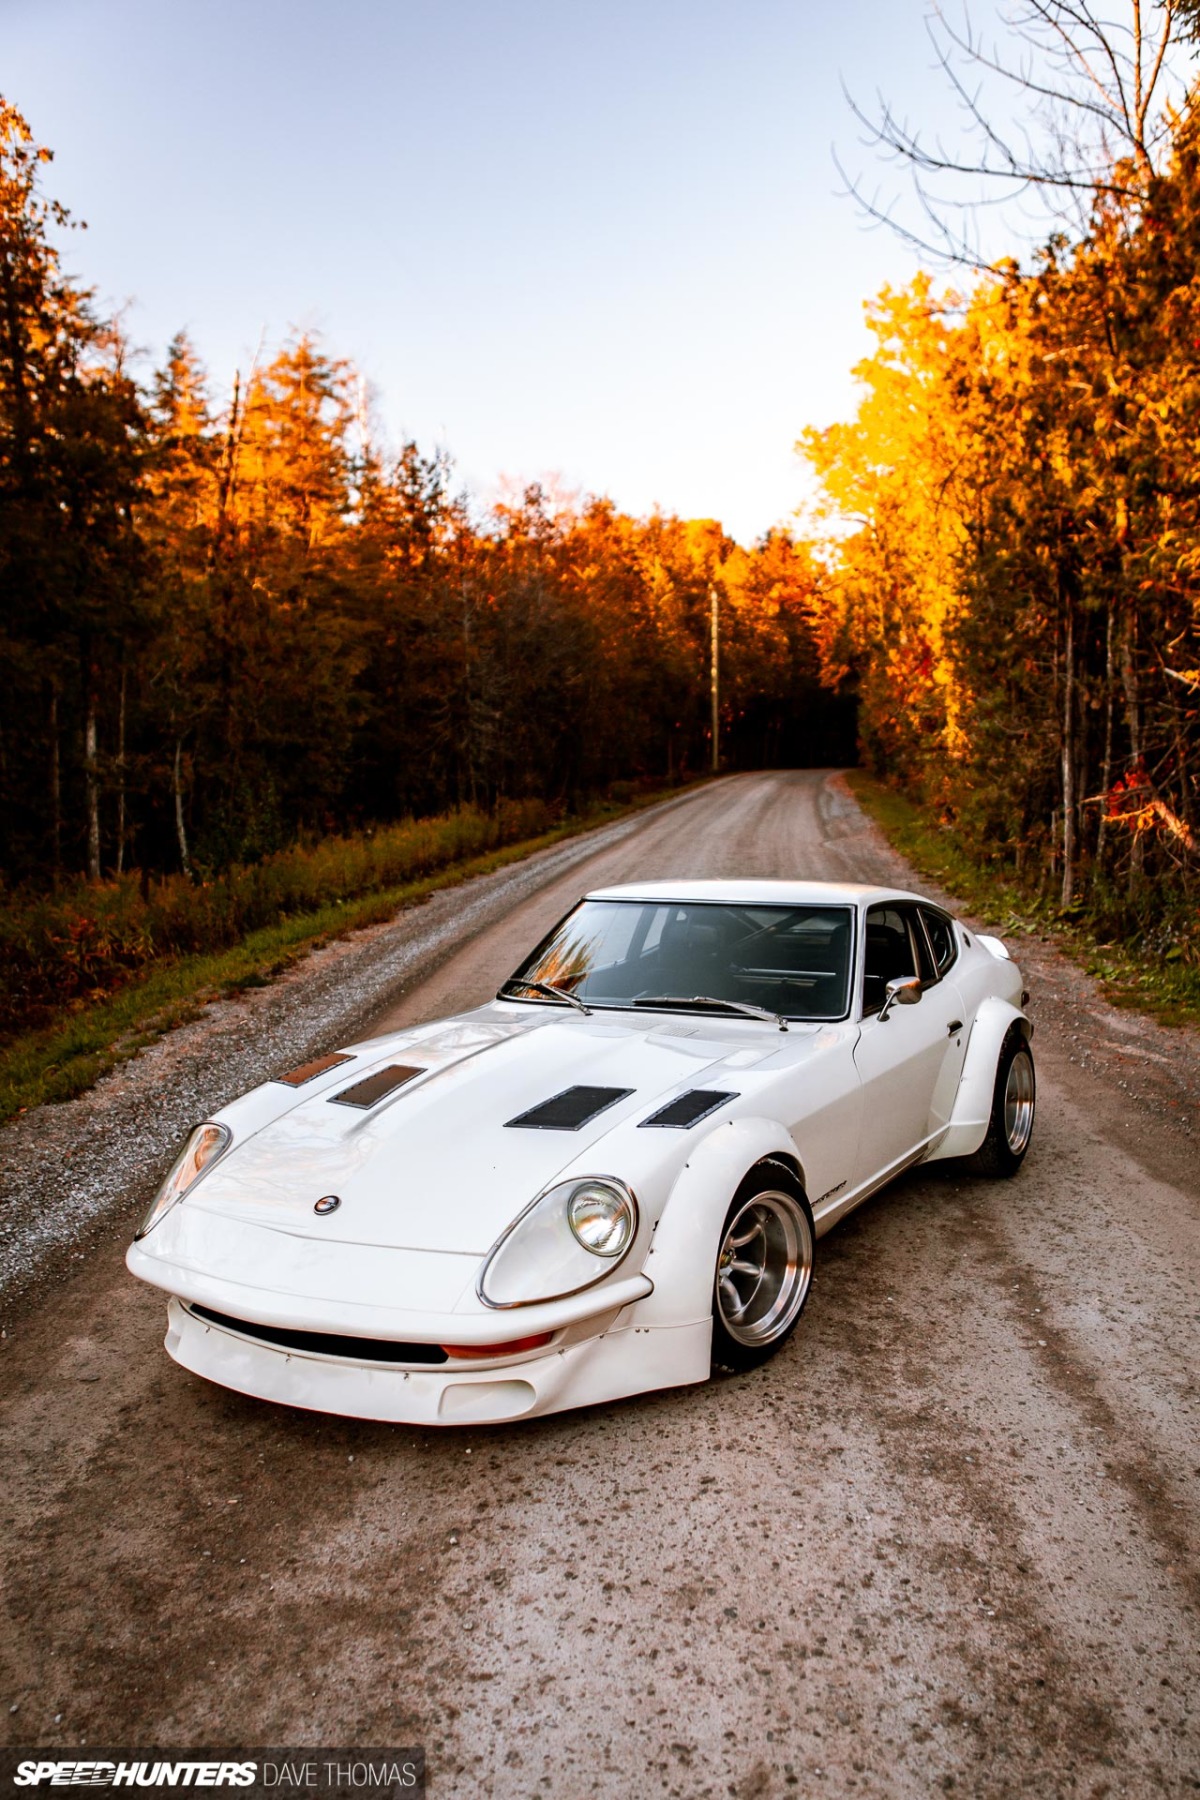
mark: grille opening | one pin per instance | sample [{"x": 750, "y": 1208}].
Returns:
[
  {"x": 376, "y": 1087},
  {"x": 325, "y": 1343},
  {"x": 687, "y": 1109},
  {"x": 570, "y": 1109}
]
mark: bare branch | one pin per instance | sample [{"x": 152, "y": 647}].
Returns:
[{"x": 1098, "y": 96}]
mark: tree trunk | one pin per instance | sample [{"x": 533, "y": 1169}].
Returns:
[
  {"x": 1106, "y": 772},
  {"x": 185, "y": 860},
  {"x": 121, "y": 773},
  {"x": 1068, "y": 762},
  {"x": 1133, "y": 719},
  {"x": 468, "y": 703},
  {"x": 91, "y": 777},
  {"x": 55, "y": 784}
]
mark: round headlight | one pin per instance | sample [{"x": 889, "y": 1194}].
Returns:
[
  {"x": 570, "y": 1238},
  {"x": 203, "y": 1147},
  {"x": 601, "y": 1217}
]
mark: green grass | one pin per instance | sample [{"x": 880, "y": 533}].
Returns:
[
  {"x": 68, "y": 1054},
  {"x": 1165, "y": 987}
]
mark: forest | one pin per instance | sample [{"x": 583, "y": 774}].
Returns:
[
  {"x": 1013, "y": 525},
  {"x": 254, "y": 660},
  {"x": 239, "y": 629},
  {"x": 234, "y": 620}
]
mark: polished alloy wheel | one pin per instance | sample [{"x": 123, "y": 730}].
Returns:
[
  {"x": 764, "y": 1268},
  {"x": 1018, "y": 1102}
]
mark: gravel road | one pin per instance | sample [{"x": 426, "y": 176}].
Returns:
[{"x": 946, "y": 1542}]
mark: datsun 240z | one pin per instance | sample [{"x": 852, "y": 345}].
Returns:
[{"x": 609, "y": 1179}]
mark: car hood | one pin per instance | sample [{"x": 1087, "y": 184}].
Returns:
[{"x": 437, "y": 1165}]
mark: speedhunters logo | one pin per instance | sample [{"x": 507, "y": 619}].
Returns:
[
  {"x": 252, "y": 1774},
  {"x": 135, "y": 1774}
]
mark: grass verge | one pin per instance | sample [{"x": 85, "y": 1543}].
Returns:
[
  {"x": 68, "y": 1055},
  {"x": 1167, "y": 988}
]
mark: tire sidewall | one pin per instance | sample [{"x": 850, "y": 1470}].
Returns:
[
  {"x": 1007, "y": 1159},
  {"x": 728, "y": 1356}
]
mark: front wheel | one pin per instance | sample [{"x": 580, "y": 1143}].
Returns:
[
  {"x": 764, "y": 1269},
  {"x": 1014, "y": 1099}
]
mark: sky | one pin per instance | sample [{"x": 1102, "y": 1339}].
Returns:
[{"x": 603, "y": 244}]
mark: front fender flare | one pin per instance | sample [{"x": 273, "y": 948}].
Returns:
[
  {"x": 682, "y": 1257},
  {"x": 976, "y": 1085}
]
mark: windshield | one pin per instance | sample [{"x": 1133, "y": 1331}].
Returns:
[{"x": 790, "y": 960}]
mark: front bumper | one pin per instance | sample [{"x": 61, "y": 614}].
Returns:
[
  {"x": 614, "y": 1363},
  {"x": 358, "y": 1289}
]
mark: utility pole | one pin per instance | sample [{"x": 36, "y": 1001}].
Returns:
[{"x": 716, "y": 748}]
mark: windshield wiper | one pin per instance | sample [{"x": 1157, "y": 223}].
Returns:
[
  {"x": 686, "y": 1003},
  {"x": 547, "y": 987}
]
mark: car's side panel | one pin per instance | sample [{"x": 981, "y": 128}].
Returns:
[
  {"x": 908, "y": 1064},
  {"x": 823, "y": 1110},
  {"x": 682, "y": 1258},
  {"x": 973, "y": 1106},
  {"x": 982, "y": 975}
]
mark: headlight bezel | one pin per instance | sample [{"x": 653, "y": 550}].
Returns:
[
  {"x": 557, "y": 1198},
  {"x": 178, "y": 1182}
]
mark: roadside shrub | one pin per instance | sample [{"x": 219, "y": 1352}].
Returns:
[{"x": 83, "y": 942}]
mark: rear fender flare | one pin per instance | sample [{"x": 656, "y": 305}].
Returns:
[
  {"x": 976, "y": 1085},
  {"x": 682, "y": 1255}
]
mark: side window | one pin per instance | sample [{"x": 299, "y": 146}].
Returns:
[
  {"x": 889, "y": 953},
  {"x": 941, "y": 936}
]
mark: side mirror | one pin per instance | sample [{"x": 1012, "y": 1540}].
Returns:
[{"x": 904, "y": 991}]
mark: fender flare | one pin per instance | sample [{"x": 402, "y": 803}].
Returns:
[
  {"x": 682, "y": 1253},
  {"x": 973, "y": 1103}
]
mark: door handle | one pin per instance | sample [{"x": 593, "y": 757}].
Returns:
[{"x": 953, "y": 1026}]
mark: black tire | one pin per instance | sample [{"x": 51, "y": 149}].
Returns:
[
  {"x": 1014, "y": 1101},
  {"x": 758, "y": 1298}
]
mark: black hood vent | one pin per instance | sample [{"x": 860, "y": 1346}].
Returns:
[
  {"x": 687, "y": 1109},
  {"x": 570, "y": 1109},
  {"x": 375, "y": 1087}
]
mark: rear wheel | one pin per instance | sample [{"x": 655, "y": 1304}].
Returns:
[
  {"x": 764, "y": 1269},
  {"x": 1014, "y": 1101}
]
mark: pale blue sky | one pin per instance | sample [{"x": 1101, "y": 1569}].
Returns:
[{"x": 598, "y": 240}]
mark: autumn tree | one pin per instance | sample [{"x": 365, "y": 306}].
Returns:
[
  {"x": 71, "y": 575},
  {"x": 1045, "y": 426}
]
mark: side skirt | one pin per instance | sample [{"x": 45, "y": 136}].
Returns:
[{"x": 827, "y": 1217}]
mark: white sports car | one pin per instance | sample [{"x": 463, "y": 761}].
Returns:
[{"x": 609, "y": 1179}]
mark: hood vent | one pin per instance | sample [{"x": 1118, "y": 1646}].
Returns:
[
  {"x": 687, "y": 1109},
  {"x": 310, "y": 1070},
  {"x": 571, "y": 1109},
  {"x": 375, "y": 1087}
]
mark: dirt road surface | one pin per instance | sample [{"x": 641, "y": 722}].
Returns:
[{"x": 946, "y": 1542}]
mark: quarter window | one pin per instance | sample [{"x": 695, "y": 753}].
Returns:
[{"x": 941, "y": 937}]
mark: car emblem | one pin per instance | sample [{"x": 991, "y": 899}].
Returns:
[{"x": 326, "y": 1204}]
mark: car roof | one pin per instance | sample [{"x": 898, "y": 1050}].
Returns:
[{"x": 756, "y": 893}]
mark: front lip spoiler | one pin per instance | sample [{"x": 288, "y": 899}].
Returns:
[{"x": 302, "y": 1313}]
